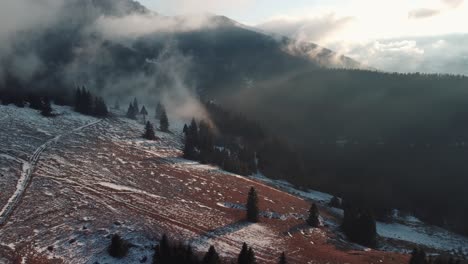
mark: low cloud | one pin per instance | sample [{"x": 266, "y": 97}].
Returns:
[
  {"x": 441, "y": 54},
  {"x": 136, "y": 25},
  {"x": 453, "y": 3},
  {"x": 423, "y": 13},
  {"x": 314, "y": 29}
]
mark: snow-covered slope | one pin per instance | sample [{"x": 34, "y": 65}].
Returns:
[{"x": 94, "y": 179}]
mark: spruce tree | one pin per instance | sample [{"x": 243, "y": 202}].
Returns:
[
  {"x": 313, "y": 219},
  {"x": 243, "y": 257},
  {"x": 149, "y": 131},
  {"x": 252, "y": 206},
  {"x": 251, "y": 257},
  {"x": 46, "y": 108},
  {"x": 118, "y": 247},
  {"x": 418, "y": 256},
  {"x": 211, "y": 257},
  {"x": 136, "y": 108},
  {"x": 282, "y": 259},
  {"x": 131, "y": 111},
  {"x": 159, "y": 109},
  {"x": 164, "y": 122},
  {"x": 185, "y": 130},
  {"x": 144, "y": 113},
  {"x": 100, "y": 107}
]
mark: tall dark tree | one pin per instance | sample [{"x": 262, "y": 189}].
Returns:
[
  {"x": 243, "y": 257},
  {"x": 159, "y": 109},
  {"x": 35, "y": 101},
  {"x": 164, "y": 121},
  {"x": 251, "y": 256},
  {"x": 131, "y": 113},
  {"x": 100, "y": 107},
  {"x": 211, "y": 257},
  {"x": 149, "y": 131},
  {"x": 46, "y": 107},
  {"x": 118, "y": 247},
  {"x": 313, "y": 218},
  {"x": 144, "y": 113},
  {"x": 135, "y": 106},
  {"x": 359, "y": 226},
  {"x": 252, "y": 206},
  {"x": 185, "y": 130},
  {"x": 418, "y": 256},
  {"x": 282, "y": 259}
]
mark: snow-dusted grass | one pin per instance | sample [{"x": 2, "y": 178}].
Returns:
[{"x": 409, "y": 229}]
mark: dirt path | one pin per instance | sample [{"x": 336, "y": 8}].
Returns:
[{"x": 28, "y": 168}]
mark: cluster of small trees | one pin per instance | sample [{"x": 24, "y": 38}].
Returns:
[
  {"x": 173, "y": 253},
  {"x": 134, "y": 111},
  {"x": 202, "y": 144},
  {"x": 88, "y": 104},
  {"x": 359, "y": 226}
]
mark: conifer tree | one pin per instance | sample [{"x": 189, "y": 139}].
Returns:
[
  {"x": 46, "y": 108},
  {"x": 118, "y": 247},
  {"x": 251, "y": 257},
  {"x": 252, "y": 206},
  {"x": 136, "y": 108},
  {"x": 243, "y": 257},
  {"x": 164, "y": 122},
  {"x": 313, "y": 219},
  {"x": 149, "y": 131},
  {"x": 159, "y": 109},
  {"x": 418, "y": 256},
  {"x": 100, "y": 107},
  {"x": 131, "y": 111},
  {"x": 282, "y": 259},
  {"x": 144, "y": 113},
  {"x": 185, "y": 130},
  {"x": 211, "y": 257}
]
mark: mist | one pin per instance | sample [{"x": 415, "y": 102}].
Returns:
[{"x": 92, "y": 55}]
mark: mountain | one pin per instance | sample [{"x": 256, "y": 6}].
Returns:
[
  {"x": 374, "y": 138},
  {"x": 95, "y": 42}
]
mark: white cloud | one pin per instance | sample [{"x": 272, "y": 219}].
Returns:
[
  {"x": 314, "y": 29},
  {"x": 136, "y": 25}
]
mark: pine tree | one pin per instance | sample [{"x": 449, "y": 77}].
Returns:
[
  {"x": 313, "y": 219},
  {"x": 118, "y": 247},
  {"x": 211, "y": 257},
  {"x": 164, "y": 122},
  {"x": 282, "y": 259},
  {"x": 252, "y": 206},
  {"x": 46, "y": 108},
  {"x": 418, "y": 256},
  {"x": 136, "y": 108},
  {"x": 100, "y": 107},
  {"x": 251, "y": 257},
  {"x": 149, "y": 131},
  {"x": 243, "y": 255},
  {"x": 131, "y": 111},
  {"x": 159, "y": 109},
  {"x": 144, "y": 113},
  {"x": 185, "y": 130}
]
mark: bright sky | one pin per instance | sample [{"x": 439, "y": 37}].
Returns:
[
  {"x": 392, "y": 35},
  {"x": 366, "y": 19}
]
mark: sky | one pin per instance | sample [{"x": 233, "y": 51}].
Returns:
[{"x": 396, "y": 35}]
